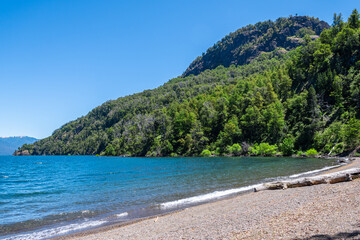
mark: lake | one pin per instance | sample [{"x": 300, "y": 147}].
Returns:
[{"x": 43, "y": 196}]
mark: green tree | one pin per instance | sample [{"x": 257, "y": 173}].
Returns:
[
  {"x": 355, "y": 91},
  {"x": 110, "y": 150},
  {"x": 311, "y": 120},
  {"x": 354, "y": 21},
  {"x": 337, "y": 23},
  {"x": 352, "y": 133},
  {"x": 230, "y": 133}
]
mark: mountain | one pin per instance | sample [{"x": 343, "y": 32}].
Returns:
[
  {"x": 9, "y": 144},
  {"x": 247, "y": 43},
  {"x": 278, "y": 100}
]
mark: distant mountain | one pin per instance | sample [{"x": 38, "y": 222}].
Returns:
[
  {"x": 247, "y": 43},
  {"x": 8, "y": 145}
]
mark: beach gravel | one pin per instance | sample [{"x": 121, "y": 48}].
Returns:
[{"x": 327, "y": 211}]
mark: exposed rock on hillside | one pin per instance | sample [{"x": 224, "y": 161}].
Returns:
[{"x": 242, "y": 46}]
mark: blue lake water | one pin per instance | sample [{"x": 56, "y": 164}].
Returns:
[{"x": 43, "y": 196}]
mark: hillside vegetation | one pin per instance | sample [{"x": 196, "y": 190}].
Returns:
[
  {"x": 307, "y": 99},
  {"x": 244, "y": 45}
]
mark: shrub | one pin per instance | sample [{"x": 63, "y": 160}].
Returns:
[
  {"x": 205, "y": 153},
  {"x": 311, "y": 152},
  {"x": 264, "y": 149},
  {"x": 234, "y": 149},
  {"x": 287, "y": 146},
  {"x": 299, "y": 153}
]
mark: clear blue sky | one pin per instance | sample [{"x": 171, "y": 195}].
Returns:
[{"x": 61, "y": 58}]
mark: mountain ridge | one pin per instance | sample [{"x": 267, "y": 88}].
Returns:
[
  {"x": 284, "y": 100},
  {"x": 245, "y": 44}
]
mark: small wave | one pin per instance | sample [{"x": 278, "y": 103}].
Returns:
[
  {"x": 124, "y": 214},
  {"x": 206, "y": 197},
  {"x": 219, "y": 194},
  {"x": 313, "y": 171},
  {"x": 275, "y": 179},
  {"x": 56, "y": 231},
  {"x": 68, "y": 216},
  {"x": 45, "y": 221},
  {"x": 31, "y": 194}
]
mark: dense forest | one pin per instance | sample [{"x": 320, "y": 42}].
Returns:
[
  {"x": 247, "y": 43},
  {"x": 282, "y": 101}
]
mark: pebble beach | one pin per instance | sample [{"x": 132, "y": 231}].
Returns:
[{"x": 326, "y": 211}]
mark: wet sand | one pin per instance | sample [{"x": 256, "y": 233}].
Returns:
[{"x": 327, "y": 211}]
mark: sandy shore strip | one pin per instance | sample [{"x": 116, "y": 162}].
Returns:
[{"x": 326, "y": 211}]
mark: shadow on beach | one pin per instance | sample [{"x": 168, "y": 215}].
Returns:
[{"x": 342, "y": 235}]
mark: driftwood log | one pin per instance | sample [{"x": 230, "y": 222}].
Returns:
[{"x": 341, "y": 176}]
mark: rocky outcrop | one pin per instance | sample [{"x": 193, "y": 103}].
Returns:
[{"x": 22, "y": 153}]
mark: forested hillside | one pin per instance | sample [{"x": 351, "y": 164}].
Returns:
[
  {"x": 282, "y": 102},
  {"x": 245, "y": 44}
]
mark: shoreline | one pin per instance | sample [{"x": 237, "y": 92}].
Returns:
[{"x": 119, "y": 227}]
